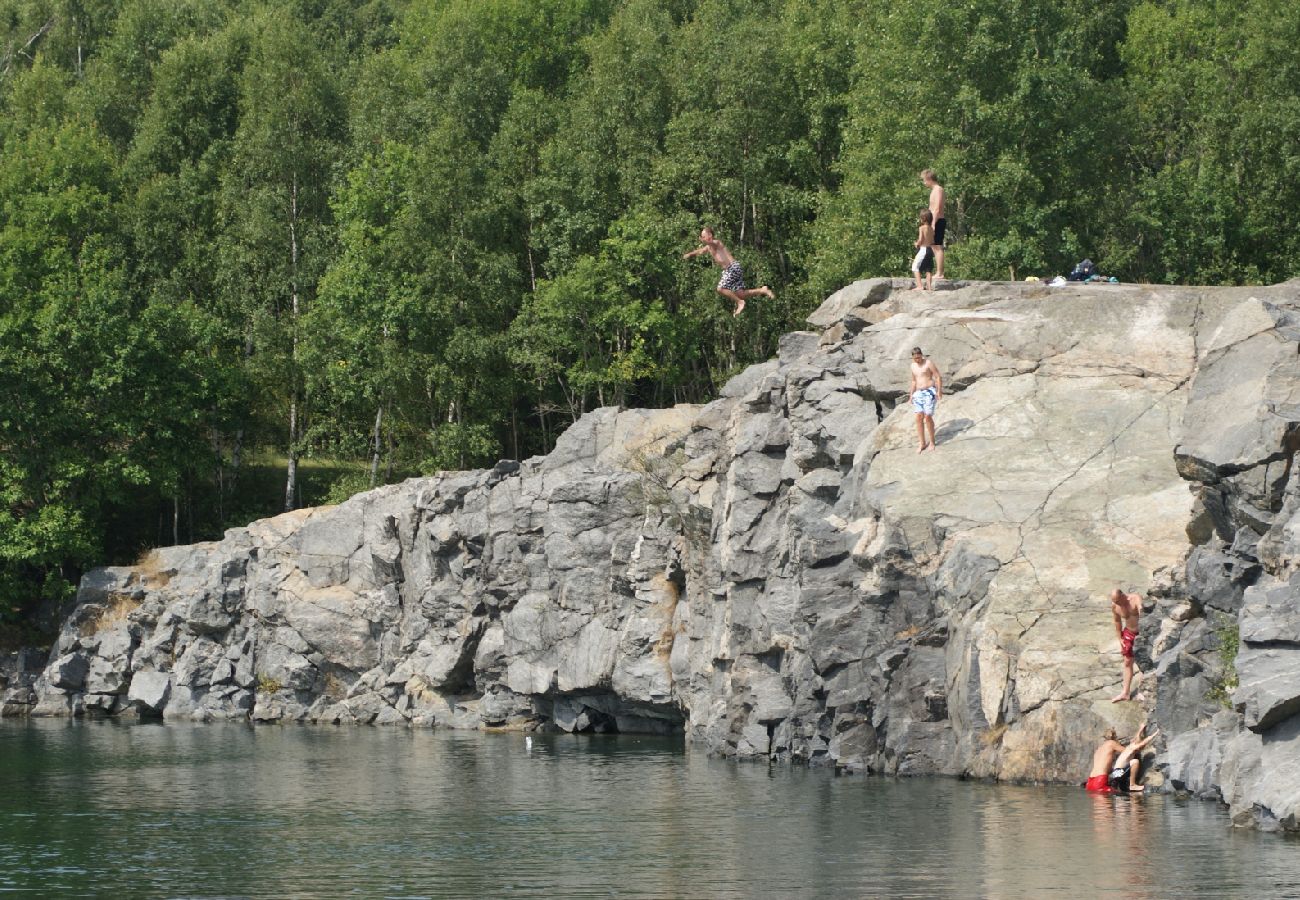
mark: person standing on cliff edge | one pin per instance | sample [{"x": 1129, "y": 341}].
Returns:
[
  {"x": 924, "y": 392},
  {"x": 938, "y": 199},
  {"x": 1125, "y": 608},
  {"x": 732, "y": 283},
  {"x": 923, "y": 264}
]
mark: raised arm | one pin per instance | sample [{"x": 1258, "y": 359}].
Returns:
[{"x": 1146, "y": 740}]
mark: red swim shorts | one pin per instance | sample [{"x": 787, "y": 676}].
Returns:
[
  {"x": 1098, "y": 783},
  {"x": 1126, "y": 639}
]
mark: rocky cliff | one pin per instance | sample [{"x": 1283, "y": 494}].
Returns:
[{"x": 779, "y": 574}]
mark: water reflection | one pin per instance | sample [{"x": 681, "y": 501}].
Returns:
[{"x": 284, "y": 812}]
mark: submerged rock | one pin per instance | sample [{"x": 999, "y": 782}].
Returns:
[{"x": 781, "y": 575}]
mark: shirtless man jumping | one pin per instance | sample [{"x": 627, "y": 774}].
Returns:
[
  {"x": 924, "y": 392},
  {"x": 732, "y": 283},
  {"x": 937, "y": 203},
  {"x": 1125, "y": 608}
]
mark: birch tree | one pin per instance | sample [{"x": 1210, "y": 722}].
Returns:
[{"x": 273, "y": 209}]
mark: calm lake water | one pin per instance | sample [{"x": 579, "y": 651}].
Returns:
[{"x": 109, "y": 809}]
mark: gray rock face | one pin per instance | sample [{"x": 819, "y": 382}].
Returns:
[
  {"x": 150, "y": 691},
  {"x": 18, "y": 673},
  {"x": 1268, "y": 664},
  {"x": 780, "y": 575}
]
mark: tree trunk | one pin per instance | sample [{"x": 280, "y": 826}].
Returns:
[
  {"x": 237, "y": 452},
  {"x": 375, "y": 446},
  {"x": 528, "y": 246},
  {"x": 291, "y": 477},
  {"x": 236, "y": 458},
  {"x": 388, "y": 465},
  {"x": 218, "y": 473}
]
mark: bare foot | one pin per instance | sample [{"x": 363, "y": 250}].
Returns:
[
  {"x": 1119, "y": 698},
  {"x": 740, "y": 308},
  {"x": 921, "y": 449},
  {"x": 1137, "y": 790},
  {"x": 767, "y": 292}
]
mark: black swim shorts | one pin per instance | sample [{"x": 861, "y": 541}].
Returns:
[
  {"x": 923, "y": 262},
  {"x": 939, "y": 228}
]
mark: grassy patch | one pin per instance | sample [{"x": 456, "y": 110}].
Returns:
[
  {"x": 335, "y": 687},
  {"x": 268, "y": 685},
  {"x": 654, "y": 490},
  {"x": 150, "y": 571},
  {"x": 116, "y": 608},
  {"x": 1222, "y": 686}
]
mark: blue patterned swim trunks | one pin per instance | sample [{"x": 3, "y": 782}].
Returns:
[
  {"x": 923, "y": 401},
  {"x": 732, "y": 278}
]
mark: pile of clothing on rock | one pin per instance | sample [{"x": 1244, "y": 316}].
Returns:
[{"x": 1085, "y": 272}]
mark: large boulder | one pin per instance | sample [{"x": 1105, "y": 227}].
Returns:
[{"x": 150, "y": 691}]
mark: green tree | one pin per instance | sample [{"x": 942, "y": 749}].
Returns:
[
  {"x": 1011, "y": 104},
  {"x": 274, "y": 208},
  {"x": 1216, "y": 109},
  {"x": 102, "y": 397}
]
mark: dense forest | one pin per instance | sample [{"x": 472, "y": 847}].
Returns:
[{"x": 256, "y": 254}]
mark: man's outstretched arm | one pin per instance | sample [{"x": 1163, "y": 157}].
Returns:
[{"x": 696, "y": 252}]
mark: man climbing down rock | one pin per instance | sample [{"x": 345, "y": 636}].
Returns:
[
  {"x": 924, "y": 393},
  {"x": 732, "y": 283},
  {"x": 1125, "y": 608},
  {"x": 1103, "y": 759},
  {"x": 1116, "y": 767},
  {"x": 1127, "y": 766}
]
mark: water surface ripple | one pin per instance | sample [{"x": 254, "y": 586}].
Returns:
[{"x": 108, "y": 809}]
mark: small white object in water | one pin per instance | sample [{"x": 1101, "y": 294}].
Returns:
[{"x": 528, "y": 744}]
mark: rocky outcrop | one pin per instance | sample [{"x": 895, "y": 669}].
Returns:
[
  {"x": 781, "y": 575},
  {"x": 19, "y": 670}
]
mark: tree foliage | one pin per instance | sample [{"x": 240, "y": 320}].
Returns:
[{"x": 244, "y": 241}]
